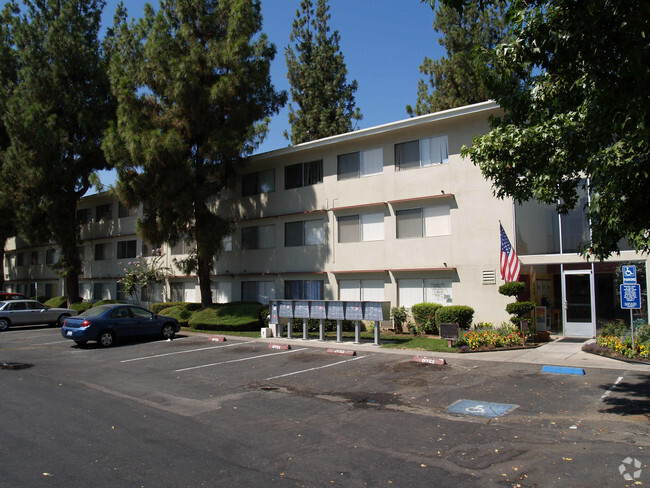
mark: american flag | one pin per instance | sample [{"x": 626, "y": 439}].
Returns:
[{"x": 510, "y": 264}]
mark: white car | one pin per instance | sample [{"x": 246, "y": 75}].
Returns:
[{"x": 31, "y": 312}]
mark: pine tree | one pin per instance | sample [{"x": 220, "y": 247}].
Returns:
[
  {"x": 456, "y": 80},
  {"x": 54, "y": 111},
  {"x": 317, "y": 74},
  {"x": 194, "y": 93}
]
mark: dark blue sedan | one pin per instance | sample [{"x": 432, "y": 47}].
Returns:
[{"x": 108, "y": 323}]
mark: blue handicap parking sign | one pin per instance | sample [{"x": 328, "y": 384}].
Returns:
[
  {"x": 481, "y": 409},
  {"x": 631, "y": 296},
  {"x": 629, "y": 274}
]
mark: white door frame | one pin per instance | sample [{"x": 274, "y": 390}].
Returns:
[{"x": 579, "y": 329}]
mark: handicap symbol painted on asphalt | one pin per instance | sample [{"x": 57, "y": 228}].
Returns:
[{"x": 481, "y": 409}]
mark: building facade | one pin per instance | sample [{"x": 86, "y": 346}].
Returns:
[{"x": 387, "y": 213}]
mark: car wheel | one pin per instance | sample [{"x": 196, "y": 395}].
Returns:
[
  {"x": 80, "y": 342},
  {"x": 4, "y": 324},
  {"x": 61, "y": 319},
  {"x": 106, "y": 338},
  {"x": 168, "y": 331}
]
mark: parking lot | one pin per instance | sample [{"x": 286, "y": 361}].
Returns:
[{"x": 195, "y": 412}]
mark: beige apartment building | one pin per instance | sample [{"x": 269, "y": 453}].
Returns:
[{"x": 387, "y": 213}]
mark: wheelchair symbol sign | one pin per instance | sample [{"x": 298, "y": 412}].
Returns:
[{"x": 629, "y": 274}]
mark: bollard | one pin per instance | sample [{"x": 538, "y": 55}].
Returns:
[
  {"x": 338, "y": 331},
  {"x": 321, "y": 333},
  {"x": 357, "y": 335},
  {"x": 304, "y": 329},
  {"x": 288, "y": 328},
  {"x": 376, "y": 333}
]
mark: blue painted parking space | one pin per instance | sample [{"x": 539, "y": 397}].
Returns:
[{"x": 481, "y": 409}]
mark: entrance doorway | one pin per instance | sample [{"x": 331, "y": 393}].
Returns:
[{"x": 578, "y": 297}]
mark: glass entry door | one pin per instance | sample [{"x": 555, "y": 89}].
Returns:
[{"x": 579, "y": 311}]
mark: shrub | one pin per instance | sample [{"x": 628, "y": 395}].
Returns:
[
  {"x": 179, "y": 312},
  {"x": 422, "y": 311},
  {"x": 242, "y": 316},
  {"x": 104, "y": 302},
  {"x": 57, "y": 302},
  {"x": 484, "y": 326},
  {"x": 399, "y": 316},
  {"x": 455, "y": 314},
  {"x": 616, "y": 328},
  {"x": 512, "y": 288},
  {"x": 191, "y": 306},
  {"x": 81, "y": 306}
]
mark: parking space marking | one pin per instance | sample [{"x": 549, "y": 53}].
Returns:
[
  {"x": 184, "y": 352},
  {"x": 314, "y": 369},
  {"x": 48, "y": 343},
  {"x": 611, "y": 388},
  {"x": 239, "y": 360}
]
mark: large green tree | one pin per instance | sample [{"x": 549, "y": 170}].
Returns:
[
  {"x": 318, "y": 77},
  {"x": 7, "y": 79},
  {"x": 55, "y": 111},
  {"x": 194, "y": 94},
  {"x": 573, "y": 83},
  {"x": 456, "y": 79}
]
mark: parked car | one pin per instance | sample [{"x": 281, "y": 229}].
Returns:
[
  {"x": 7, "y": 295},
  {"x": 108, "y": 323},
  {"x": 31, "y": 312}
]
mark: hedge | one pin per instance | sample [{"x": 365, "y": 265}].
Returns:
[
  {"x": 422, "y": 311},
  {"x": 190, "y": 306},
  {"x": 242, "y": 316},
  {"x": 455, "y": 314}
]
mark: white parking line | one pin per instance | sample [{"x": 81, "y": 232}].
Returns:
[
  {"x": 239, "y": 360},
  {"x": 611, "y": 388},
  {"x": 314, "y": 369},
  {"x": 184, "y": 352},
  {"x": 48, "y": 343}
]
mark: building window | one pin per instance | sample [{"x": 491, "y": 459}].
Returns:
[
  {"x": 257, "y": 291},
  {"x": 226, "y": 243},
  {"x": 258, "y": 237},
  {"x": 103, "y": 212},
  {"x": 362, "y": 163},
  {"x": 35, "y": 258},
  {"x": 260, "y": 182},
  {"x": 365, "y": 227},
  {"x": 418, "y": 154},
  {"x": 182, "y": 247},
  {"x": 149, "y": 249},
  {"x": 126, "y": 249},
  {"x": 124, "y": 211},
  {"x": 412, "y": 291},
  {"x": 84, "y": 216},
  {"x": 304, "y": 233},
  {"x": 177, "y": 292},
  {"x": 101, "y": 291},
  {"x": 20, "y": 259},
  {"x": 50, "y": 256},
  {"x": 423, "y": 222},
  {"x": 303, "y": 174},
  {"x": 102, "y": 251},
  {"x": 357, "y": 290},
  {"x": 303, "y": 289}
]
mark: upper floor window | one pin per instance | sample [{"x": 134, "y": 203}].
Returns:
[
  {"x": 304, "y": 233},
  {"x": 102, "y": 251},
  {"x": 258, "y": 237},
  {"x": 35, "y": 258},
  {"x": 50, "y": 256},
  {"x": 20, "y": 259},
  {"x": 256, "y": 183},
  {"x": 362, "y": 163},
  {"x": 183, "y": 246},
  {"x": 103, "y": 212},
  {"x": 424, "y": 152},
  {"x": 423, "y": 222},
  {"x": 365, "y": 227},
  {"x": 149, "y": 249},
  {"x": 226, "y": 243},
  {"x": 84, "y": 216},
  {"x": 124, "y": 211},
  {"x": 126, "y": 249},
  {"x": 303, "y": 174}
]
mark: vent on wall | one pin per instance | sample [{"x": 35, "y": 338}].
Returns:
[{"x": 489, "y": 277}]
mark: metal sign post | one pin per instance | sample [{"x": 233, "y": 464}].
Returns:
[{"x": 631, "y": 299}]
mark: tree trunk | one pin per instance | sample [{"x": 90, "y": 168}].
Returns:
[{"x": 203, "y": 274}]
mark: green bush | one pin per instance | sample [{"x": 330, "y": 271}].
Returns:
[
  {"x": 520, "y": 309},
  {"x": 236, "y": 316},
  {"x": 57, "y": 302},
  {"x": 179, "y": 312},
  {"x": 422, "y": 311},
  {"x": 81, "y": 306},
  {"x": 399, "y": 316},
  {"x": 106, "y": 302},
  {"x": 455, "y": 314},
  {"x": 512, "y": 288},
  {"x": 190, "y": 306}
]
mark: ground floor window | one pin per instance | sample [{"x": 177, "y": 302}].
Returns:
[
  {"x": 361, "y": 290},
  {"x": 419, "y": 290},
  {"x": 303, "y": 289},
  {"x": 257, "y": 291}
]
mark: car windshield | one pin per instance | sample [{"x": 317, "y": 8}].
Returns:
[{"x": 96, "y": 311}]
